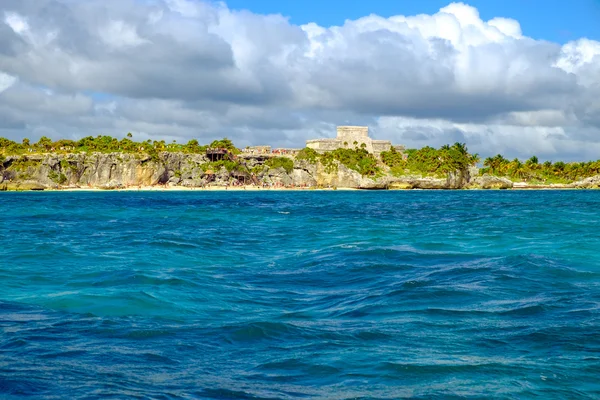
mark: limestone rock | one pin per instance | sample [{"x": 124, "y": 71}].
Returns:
[
  {"x": 588, "y": 183},
  {"x": 400, "y": 185},
  {"x": 341, "y": 176},
  {"x": 20, "y": 186},
  {"x": 119, "y": 170},
  {"x": 417, "y": 182},
  {"x": 431, "y": 183},
  {"x": 457, "y": 179},
  {"x": 302, "y": 177},
  {"x": 490, "y": 182},
  {"x": 222, "y": 177}
]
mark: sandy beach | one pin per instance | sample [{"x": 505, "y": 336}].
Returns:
[{"x": 194, "y": 189}]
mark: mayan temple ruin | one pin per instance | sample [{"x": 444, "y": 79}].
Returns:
[
  {"x": 352, "y": 137},
  {"x": 348, "y": 137}
]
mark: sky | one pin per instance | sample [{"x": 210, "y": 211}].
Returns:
[
  {"x": 555, "y": 20},
  {"x": 519, "y": 78}
]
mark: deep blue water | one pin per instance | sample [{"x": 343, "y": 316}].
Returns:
[{"x": 324, "y": 295}]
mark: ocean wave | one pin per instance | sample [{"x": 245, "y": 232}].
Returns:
[
  {"x": 350, "y": 295},
  {"x": 255, "y": 331}
]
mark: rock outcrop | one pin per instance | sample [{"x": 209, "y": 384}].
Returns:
[
  {"x": 111, "y": 170},
  {"x": 120, "y": 170},
  {"x": 419, "y": 183},
  {"x": 588, "y": 183},
  {"x": 489, "y": 182}
]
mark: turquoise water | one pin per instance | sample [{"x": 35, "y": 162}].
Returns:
[{"x": 325, "y": 295}]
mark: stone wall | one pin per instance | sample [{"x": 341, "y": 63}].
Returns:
[
  {"x": 381, "y": 145},
  {"x": 286, "y": 151},
  {"x": 355, "y": 136},
  {"x": 322, "y": 145},
  {"x": 351, "y": 137},
  {"x": 351, "y": 132},
  {"x": 257, "y": 150}
]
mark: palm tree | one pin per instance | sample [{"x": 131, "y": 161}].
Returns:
[
  {"x": 496, "y": 164},
  {"x": 517, "y": 169}
]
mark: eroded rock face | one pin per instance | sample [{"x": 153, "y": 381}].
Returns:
[
  {"x": 489, "y": 182},
  {"x": 302, "y": 177},
  {"x": 119, "y": 170},
  {"x": 277, "y": 176},
  {"x": 458, "y": 179},
  {"x": 420, "y": 183},
  {"x": 108, "y": 170},
  {"x": 588, "y": 183}
]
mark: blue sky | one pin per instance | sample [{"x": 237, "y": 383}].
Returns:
[
  {"x": 555, "y": 20},
  {"x": 182, "y": 73}
]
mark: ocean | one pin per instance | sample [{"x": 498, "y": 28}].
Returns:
[{"x": 311, "y": 295}]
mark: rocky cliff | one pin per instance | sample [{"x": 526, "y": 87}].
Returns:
[{"x": 120, "y": 170}]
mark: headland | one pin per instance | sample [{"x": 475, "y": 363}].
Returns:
[{"x": 351, "y": 160}]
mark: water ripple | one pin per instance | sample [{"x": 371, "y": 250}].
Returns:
[{"x": 265, "y": 295}]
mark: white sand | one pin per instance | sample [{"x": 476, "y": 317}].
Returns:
[{"x": 159, "y": 188}]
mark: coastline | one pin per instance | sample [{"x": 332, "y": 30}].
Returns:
[
  {"x": 198, "y": 172},
  {"x": 249, "y": 188},
  {"x": 193, "y": 189}
]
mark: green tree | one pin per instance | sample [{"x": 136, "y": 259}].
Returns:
[
  {"x": 496, "y": 165},
  {"x": 281, "y": 162},
  {"x": 308, "y": 154},
  {"x": 45, "y": 143},
  {"x": 225, "y": 144}
]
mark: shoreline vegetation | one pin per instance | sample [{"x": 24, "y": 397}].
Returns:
[{"x": 107, "y": 163}]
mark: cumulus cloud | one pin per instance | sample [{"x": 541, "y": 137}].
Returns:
[
  {"x": 6, "y": 81},
  {"x": 181, "y": 69}
]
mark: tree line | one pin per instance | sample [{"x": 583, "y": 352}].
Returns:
[
  {"x": 427, "y": 161},
  {"x": 107, "y": 144},
  {"x": 534, "y": 171},
  {"x": 430, "y": 161}
]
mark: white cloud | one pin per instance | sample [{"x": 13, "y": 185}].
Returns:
[
  {"x": 119, "y": 34},
  {"x": 198, "y": 69},
  {"x": 16, "y": 22},
  {"x": 576, "y": 55},
  {"x": 514, "y": 139},
  {"x": 6, "y": 81}
]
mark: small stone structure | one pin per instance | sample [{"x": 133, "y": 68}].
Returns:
[
  {"x": 257, "y": 150},
  {"x": 350, "y": 137},
  {"x": 286, "y": 151}
]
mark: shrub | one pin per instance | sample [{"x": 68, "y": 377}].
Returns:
[
  {"x": 308, "y": 154},
  {"x": 286, "y": 163},
  {"x": 359, "y": 160},
  {"x": 225, "y": 144},
  {"x": 217, "y": 165},
  {"x": 56, "y": 177},
  {"x": 392, "y": 158}
]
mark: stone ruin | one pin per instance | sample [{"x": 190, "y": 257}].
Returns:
[
  {"x": 350, "y": 137},
  {"x": 257, "y": 150}
]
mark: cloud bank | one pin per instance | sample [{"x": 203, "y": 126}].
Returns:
[{"x": 180, "y": 69}]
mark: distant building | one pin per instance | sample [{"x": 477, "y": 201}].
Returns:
[
  {"x": 257, "y": 150},
  {"x": 286, "y": 151},
  {"x": 350, "y": 137}
]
